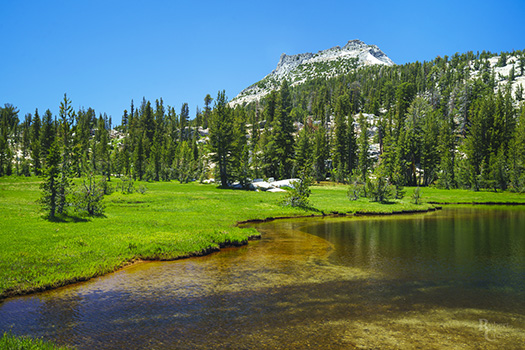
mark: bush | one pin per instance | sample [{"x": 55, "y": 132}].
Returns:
[
  {"x": 87, "y": 198},
  {"x": 106, "y": 186},
  {"x": 355, "y": 191},
  {"x": 298, "y": 195},
  {"x": 25, "y": 168},
  {"x": 142, "y": 189},
  {"x": 379, "y": 190},
  {"x": 416, "y": 196},
  {"x": 518, "y": 184},
  {"x": 399, "y": 191},
  {"x": 127, "y": 185},
  {"x": 337, "y": 175}
]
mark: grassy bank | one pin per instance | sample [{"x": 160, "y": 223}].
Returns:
[
  {"x": 435, "y": 195},
  {"x": 169, "y": 221},
  {"x": 10, "y": 342}
]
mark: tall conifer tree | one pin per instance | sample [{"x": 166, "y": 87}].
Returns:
[{"x": 222, "y": 137}]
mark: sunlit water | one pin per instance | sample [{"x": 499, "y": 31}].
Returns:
[{"x": 452, "y": 279}]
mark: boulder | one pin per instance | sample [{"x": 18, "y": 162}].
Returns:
[
  {"x": 276, "y": 190},
  {"x": 284, "y": 183},
  {"x": 262, "y": 185}
]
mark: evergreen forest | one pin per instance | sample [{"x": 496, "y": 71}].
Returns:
[{"x": 452, "y": 123}]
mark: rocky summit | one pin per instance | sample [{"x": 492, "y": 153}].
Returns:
[{"x": 300, "y": 68}]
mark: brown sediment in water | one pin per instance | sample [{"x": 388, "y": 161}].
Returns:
[
  {"x": 294, "y": 289},
  {"x": 9, "y": 293},
  {"x": 209, "y": 250},
  {"x": 14, "y": 292}
]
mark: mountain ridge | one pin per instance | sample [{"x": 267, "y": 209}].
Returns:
[{"x": 328, "y": 63}]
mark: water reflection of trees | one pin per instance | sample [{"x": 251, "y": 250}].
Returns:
[{"x": 438, "y": 275}]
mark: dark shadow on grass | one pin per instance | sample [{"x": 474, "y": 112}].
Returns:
[
  {"x": 68, "y": 218},
  {"x": 234, "y": 188},
  {"x": 310, "y": 208},
  {"x": 306, "y": 207}
]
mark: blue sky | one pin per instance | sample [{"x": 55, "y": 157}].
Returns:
[{"x": 105, "y": 53}]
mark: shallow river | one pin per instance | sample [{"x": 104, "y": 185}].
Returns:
[{"x": 451, "y": 279}]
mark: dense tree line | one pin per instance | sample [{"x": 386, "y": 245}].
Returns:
[{"x": 452, "y": 122}]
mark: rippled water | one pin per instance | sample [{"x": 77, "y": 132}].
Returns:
[{"x": 449, "y": 279}]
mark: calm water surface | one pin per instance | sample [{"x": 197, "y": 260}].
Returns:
[{"x": 452, "y": 279}]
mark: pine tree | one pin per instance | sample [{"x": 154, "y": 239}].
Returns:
[
  {"x": 148, "y": 125},
  {"x": 131, "y": 115},
  {"x": 476, "y": 142},
  {"x": 517, "y": 155},
  {"x": 270, "y": 158},
  {"x": 5, "y": 152},
  {"x": 446, "y": 150},
  {"x": 320, "y": 153},
  {"x": 340, "y": 152},
  {"x": 269, "y": 110},
  {"x": 101, "y": 149},
  {"x": 8, "y": 137},
  {"x": 282, "y": 133},
  {"x": 67, "y": 116},
  {"x": 81, "y": 141},
  {"x": 364, "y": 148},
  {"x": 124, "y": 123},
  {"x": 387, "y": 156},
  {"x": 26, "y": 135},
  {"x": 160, "y": 120},
  {"x": 183, "y": 122},
  {"x": 35, "y": 143},
  {"x": 498, "y": 173},
  {"x": 207, "y": 111},
  {"x": 221, "y": 137},
  {"x": 404, "y": 95},
  {"x": 50, "y": 186},
  {"x": 125, "y": 158},
  {"x": 25, "y": 146},
  {"x": 48, "y": 133},
  {"x": 422, "y": 132},
  {"x": 401, "y": 173},
  {"x": 155, "y": 158},
  {"x": 185, "y": 163},
  {"x": 139, "y": 159},
  {"x": 240, "y": 161},
  {"x": 496, "y": 134},
  {"x": 352, "y": 148},
  {"x": 166, "y": 159},
  {"x": 303, "y": 150}
]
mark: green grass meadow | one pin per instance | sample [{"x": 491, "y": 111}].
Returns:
[
  {"x": 169, "y": 221},
  {"x": 10, "y": 342}
]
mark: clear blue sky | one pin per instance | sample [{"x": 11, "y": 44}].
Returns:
[{"x": 105, "y": 53}]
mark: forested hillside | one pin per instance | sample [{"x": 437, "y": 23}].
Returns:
[{"x": 453, "y": 122}]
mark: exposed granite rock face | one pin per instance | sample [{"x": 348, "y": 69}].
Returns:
[
  {"x": 289, "y": 63},
  {"x": 300, "y": 68}
]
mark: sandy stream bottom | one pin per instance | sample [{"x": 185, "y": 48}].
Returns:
[{"x": 281, "y": 292}]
